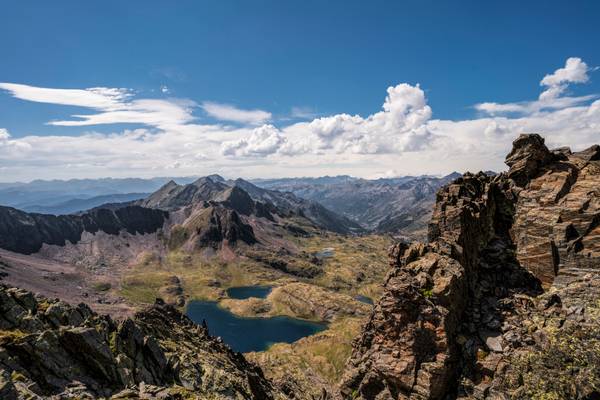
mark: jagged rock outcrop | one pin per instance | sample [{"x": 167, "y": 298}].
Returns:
[
  {"x": 464, "y": 316},
  {"x": 25, "y": 233},
  {"x": 49, "y": 349},
  {"x": 224, "y": 225},
  {"x": 557, "y": 220}
]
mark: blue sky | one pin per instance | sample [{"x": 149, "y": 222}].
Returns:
[{"x": 261, "y": 71}]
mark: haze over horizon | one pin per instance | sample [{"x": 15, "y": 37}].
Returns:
[{"x": 194, "y": 97}]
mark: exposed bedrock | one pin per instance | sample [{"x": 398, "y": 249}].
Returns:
[
  {"x": 458, "y": 314},
  {"x": 49, "y": 349}
]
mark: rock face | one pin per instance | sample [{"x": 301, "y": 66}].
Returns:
[
  {"x": 557, "y": 222},
  {"x": 26, "y": 233},
  {"x": 224, "y": 224},
  {"x": 465, "y": 316},
  {"x": 48, "y": 348}
]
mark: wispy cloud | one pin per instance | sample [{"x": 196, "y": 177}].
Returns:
[
  {"x": 99, "y": 97},
  {"x": 303, "y": 113},
  {"x": 113, "y": 105},
  {"x": 403, "y": 136},
  {"x": 227, "y": 112}
]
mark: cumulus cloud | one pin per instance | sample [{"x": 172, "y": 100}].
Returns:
[
  {"x": 556, "y": 83},
  {"x": 403, "y": 137},
  {"x": 262, "y": 141},
  {"x": 227, "y": 112},
  {"x": 6, "y": 143},
  {"x": 399, "y": 127},
  {"x": 575, "y": 70},
  {"x": 4, "y": 135}
]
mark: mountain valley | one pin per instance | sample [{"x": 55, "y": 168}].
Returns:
[{"x": 500, "y": 299}]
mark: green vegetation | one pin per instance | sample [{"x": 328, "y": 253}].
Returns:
[
  {"x": 567, "y": 368},
  {"x": 17, "y": 377},
  {"x": 358, "y": 264},
  {"x": 179, "y": 235},
  {"x": 309, "y": 283},
  {"x": 201, "y": 277},
  {"x": 102, "y": 286},
  {"x": 312, "y": 361},
  {"x": 11, "y": 335}
]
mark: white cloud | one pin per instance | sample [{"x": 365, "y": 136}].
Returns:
[
  {"x": 574, "y": 71},
  {"x": 15, "y": 146},
  {"x": 165, "y": 89},
  {"x": 227, "y": 112},
  {"x": 113, "y": 105},
  {"x": 262, "y": 141},
  {"x": 99, "y": 98},
  {"x": 152, "y": 112},
  {"x": 403, "y": 137},
  {"x": 399, "y": 127}
]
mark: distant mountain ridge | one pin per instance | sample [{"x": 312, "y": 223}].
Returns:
[
  {"x": 399, "y": 205},
  {"x": 77, "y": 205},
  {"x": 344, "y": 204},
  {"x": 45, "y": 193},
  {"x": 247, "y": 198}
]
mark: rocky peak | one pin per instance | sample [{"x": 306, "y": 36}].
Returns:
[
  {"x": 224, "y": 225},
  {"x": 529, "y": 153},
  {"x": 216, "y": 178},
  {"x": 464, "y": 315},
  {"x": 237, "y": 199}
]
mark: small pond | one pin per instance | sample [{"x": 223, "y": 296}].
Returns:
[
  {"x": 327, "y": 252},
  {"x": 364, "y": 299},
  {"x": 245, "y": 292},
  {"x": 250, "y": 334}
]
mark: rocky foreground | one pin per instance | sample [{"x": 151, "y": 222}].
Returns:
[
  {"x": 504, "y": 301},
  {"x": 49, "y": 349}
]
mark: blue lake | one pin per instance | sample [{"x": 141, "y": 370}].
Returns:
[
  {"x": 250, "y": 334},
  {"x": 245, "y": 292}
]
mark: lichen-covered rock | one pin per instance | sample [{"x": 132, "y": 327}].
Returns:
[{"x": 49, "y": 349}]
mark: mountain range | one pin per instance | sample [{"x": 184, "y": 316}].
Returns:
[
  {"x": 501, "y": 302},
  {"x": 400, "y": 206}
]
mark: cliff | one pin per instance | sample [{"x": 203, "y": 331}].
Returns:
[
  {"x": 503, "y": 300},
  {"x": 25, "y": 233}
]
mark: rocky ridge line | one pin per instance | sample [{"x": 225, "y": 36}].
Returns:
[{"x": 465, "y": 315}]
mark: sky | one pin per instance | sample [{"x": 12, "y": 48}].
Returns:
[{"x": 290, "y": 88}]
